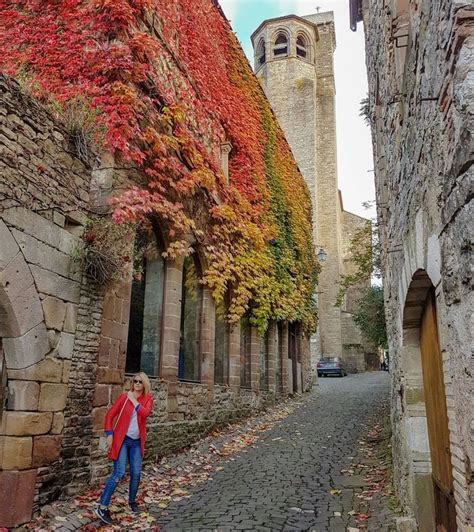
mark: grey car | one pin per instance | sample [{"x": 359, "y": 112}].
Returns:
[{"x": 331, "y": 366}]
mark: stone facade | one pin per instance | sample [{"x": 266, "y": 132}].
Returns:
[
  {"x": 301, "y": 88},
  {"x": 420, "y": 70},
  {"x": 64, "y": 337}
]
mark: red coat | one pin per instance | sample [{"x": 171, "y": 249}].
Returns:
[{"x": 121, "y": 424}]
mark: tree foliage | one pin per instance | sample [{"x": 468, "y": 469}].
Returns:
[{"x": 369, "y": 316}]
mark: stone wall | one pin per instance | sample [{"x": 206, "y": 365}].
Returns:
[
  {"x": 421, "y": 108},
  {"x": 43, "y": 199}
]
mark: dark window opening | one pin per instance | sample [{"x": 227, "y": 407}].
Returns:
[
  {"x": 261, "y": 53},
  {"x": 301, "y": 47},
  {"x": 278, "y": 350},
  {"x": 281, "y": 45},
  {"x": 245, "y": 352},
  {"x": 221, "y": 343},
  {"x": 189, "y": 363},
  {"x": 146, "y": 313}
]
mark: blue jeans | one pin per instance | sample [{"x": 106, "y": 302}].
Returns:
[{"x": 131, "y": 450}]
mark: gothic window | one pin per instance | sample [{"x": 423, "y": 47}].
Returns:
[
  {"x": 221, "y": 349},
  {"x": 245, "y": 352},
  {"x": 281, "y": 46},
  {"x": 261, "y": 55},
  {"x": 264, "y": 361},
  {"x": 301, "y": 47},
  {"x": 146, "y": 314},
  {"x": 189, "y": 363}
]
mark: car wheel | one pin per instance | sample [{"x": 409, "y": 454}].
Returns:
[
  {"x": 341, "y": 373},
  {"x": 319, "y": 374}
]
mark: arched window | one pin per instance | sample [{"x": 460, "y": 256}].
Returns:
[
  {"x": 189, "y": 363},
  {"x": 221, "y": 345},
  {"x": 301, "y": 47},
  {"x": 281, "y": 45},
  {"x": 245, "y": 352},
  {"x": 264, "y": 361},
  {"x": 261, "y": 56},
  {"x": 146, "y": 314}
]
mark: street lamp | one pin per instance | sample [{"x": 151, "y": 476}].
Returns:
[{"x": 322, "y": 255}]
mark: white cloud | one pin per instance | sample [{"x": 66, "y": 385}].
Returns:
[{"x": 230, "y": 8}]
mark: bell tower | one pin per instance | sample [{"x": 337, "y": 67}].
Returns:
[{"x": 294, "y": 61}]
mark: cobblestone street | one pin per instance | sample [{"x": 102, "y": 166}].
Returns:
[
  {"x": 284, "y": 482},
  {"x": 318, "y": 464}
]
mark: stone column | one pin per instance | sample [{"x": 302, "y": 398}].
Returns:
[
  {"x": 272, "y": 354},
  {"x": 234, "y": 357},
  {"x": 171, "y": 331},
  {"x": 254, "y": 360},
  {"x": 208, "y": 331}
]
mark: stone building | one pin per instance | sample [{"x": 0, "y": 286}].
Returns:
[
  {"x": 294, "y": 60},
  {"x": 421, "y": 101},
  {"x": 67, "y": 342}
]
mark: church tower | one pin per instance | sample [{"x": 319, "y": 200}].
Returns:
[{"x": 294, "y": 62}]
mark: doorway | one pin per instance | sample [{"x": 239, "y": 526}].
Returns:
[{"x": 437, "y": 418}]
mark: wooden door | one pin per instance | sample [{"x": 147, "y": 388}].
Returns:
[{"x": 437, "y": 417}]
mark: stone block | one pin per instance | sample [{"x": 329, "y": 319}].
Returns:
[
  {"x": 18, "y": 490},
  {"x": 52, "y": 397},
  {"x": 46, "y": 449},
  {"x": 28, "y": 349},
  {"x": 36, "y": 252},
  {"x": 54, "y": 312},
  {"x": 27, "y": 423},
  {"x": 48, "y": 370},
  {"x": 16, "y": 277},
  {"x": 101, "y": 395},
  {"x": 70, "y": 320},
  {"x": 16, "y": 452},
  {"x": 52, "y": 284},
  {"x": 58, "y": 423},
  {"x": 66, "y": 345},
  {"x": 66, "y": 371},
  {"x": 98, "y": 418},
  {"x": 109, "y": 376},
  {"x": 9, "y": 248},
  {"x": 23, "y": 395}
]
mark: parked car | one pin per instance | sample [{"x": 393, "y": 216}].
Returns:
[{"x": 331, "y": 366}]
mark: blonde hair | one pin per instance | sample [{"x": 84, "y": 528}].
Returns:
[{"x": 146, "y": 382}]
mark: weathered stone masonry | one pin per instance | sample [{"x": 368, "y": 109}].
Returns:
[{"x": 420, "y": 68}]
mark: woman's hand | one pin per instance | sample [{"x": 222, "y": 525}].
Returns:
[
  {"x": 132, "y": 398},
  {"x": 109, "y": 441}
]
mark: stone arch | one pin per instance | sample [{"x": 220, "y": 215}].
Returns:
[
  {"x": 22, "y": 327},
  {"x": 302, "y": 34}
]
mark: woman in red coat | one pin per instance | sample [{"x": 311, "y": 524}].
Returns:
[{"x": 125, "y": 426}]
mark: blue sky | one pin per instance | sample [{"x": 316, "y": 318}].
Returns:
[{"x": 355, "y": 163}]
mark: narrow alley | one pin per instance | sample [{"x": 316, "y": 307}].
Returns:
[{"x": 296, "y": 477}]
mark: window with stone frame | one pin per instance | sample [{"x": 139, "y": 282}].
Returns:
[
  {"x": 189, "y": 360},
  {"x": 301, "y": 47},
  {"x": 261, "y": 53},
  {"x": 280, "y": 48},
  {"x": 278, "y": 358},
  {"x": 146, "y": 316},
  {"x": 245, "y": 352},
  {"x": 221, "y": 345},
  {"x": 263, "y": 361}
]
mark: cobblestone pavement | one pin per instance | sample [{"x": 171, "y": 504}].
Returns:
[
  {"x": 319, "y": 469},
  {"x": 288, "y": 480}
]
